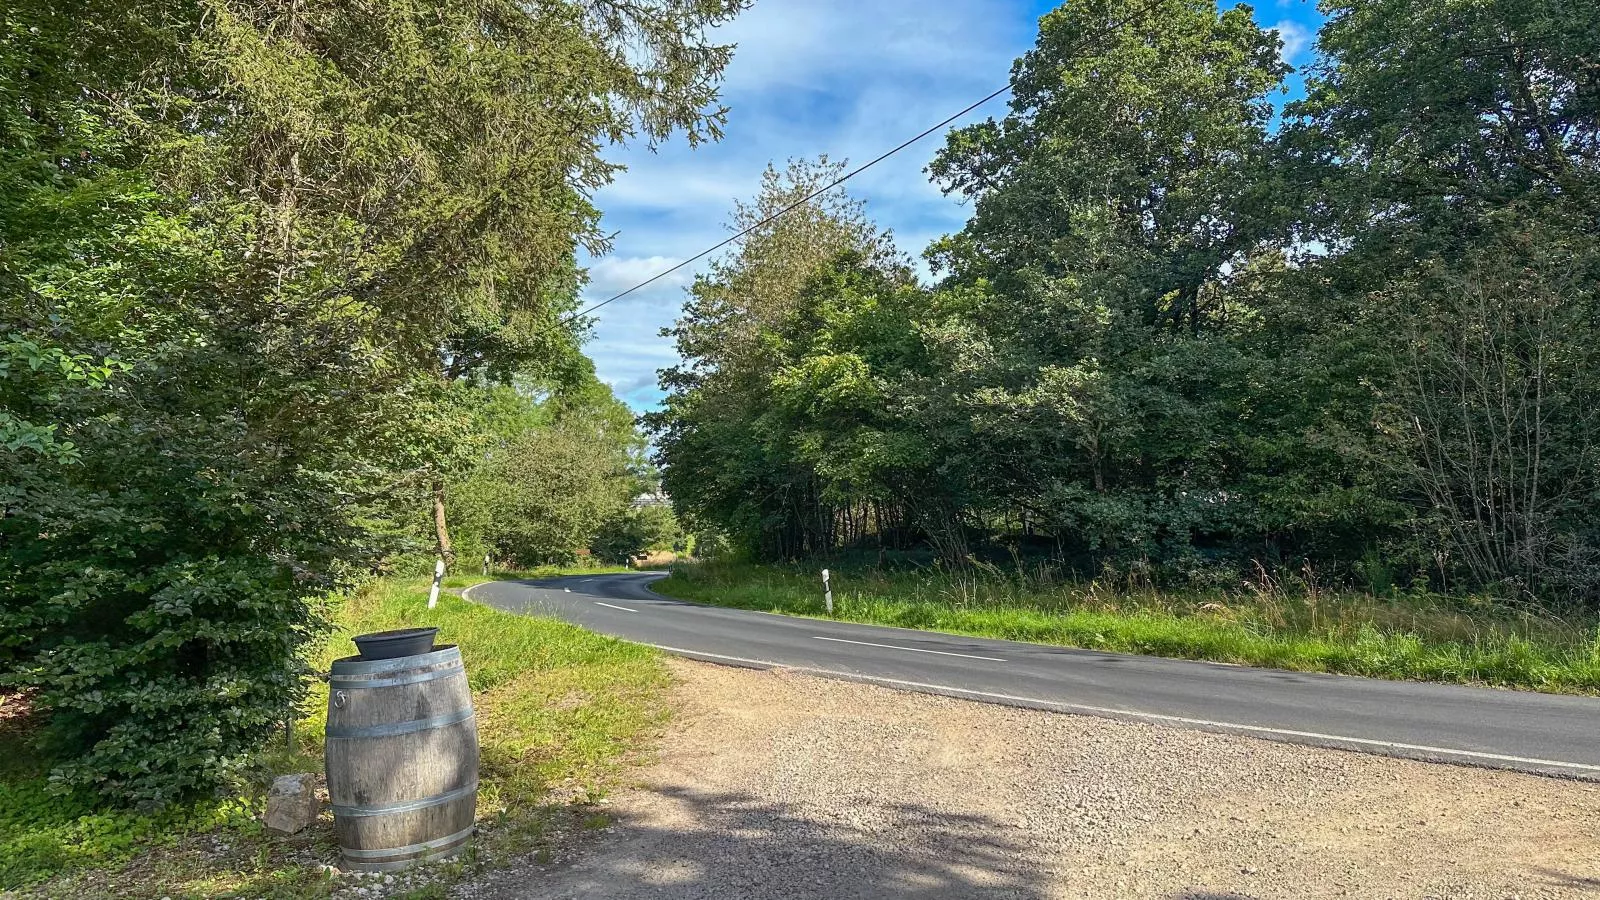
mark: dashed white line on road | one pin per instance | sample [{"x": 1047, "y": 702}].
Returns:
[
  {"x": 912, "y": 649},
  {"x": 609, "y": 606}
]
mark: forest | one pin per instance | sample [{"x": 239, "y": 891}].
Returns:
[
  {"x": 287, "y": 300},
  {"x": 1192, "y": 333}
]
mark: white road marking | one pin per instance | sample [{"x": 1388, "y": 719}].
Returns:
[
  {"x": 1136, "y": 714},
  {"x": 609, "y": 606},
  {"x": 912, "y": 649}
]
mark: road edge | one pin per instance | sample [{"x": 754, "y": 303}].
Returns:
[{"x": 1395, "y": 750}]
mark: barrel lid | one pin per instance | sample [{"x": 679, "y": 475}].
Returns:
[{"x": 355, "y": 665}]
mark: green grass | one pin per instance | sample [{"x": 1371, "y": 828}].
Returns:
[
  {"x": 468, "y": 580},
  {"x": 1302, "y": 627},
  {"x": 561, "y": 712},
  {"x": 43, "y": 834}
]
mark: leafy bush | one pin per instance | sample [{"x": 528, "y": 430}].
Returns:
[
  {"x": 157, "y": 583},
  {"x": 170, "y": 694}
]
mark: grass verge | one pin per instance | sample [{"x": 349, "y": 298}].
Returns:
[
  {"x": 561, "y": 711},
  {"x": 1421, "y": 637}
]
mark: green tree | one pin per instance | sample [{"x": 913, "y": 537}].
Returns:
[
  {"x": 553, "y": 469},
  {"x": 262, "y": 248},
  {"x": 731, "y": 457},
  {"x": 1464, "y": 254},
  {"x": 636, "y": 530},
  {"x": 1119, "y": 208},
  {"x": 549, "y": 493}
]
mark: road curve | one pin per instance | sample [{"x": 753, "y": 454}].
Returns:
[{"x": 1523, "y": 731}]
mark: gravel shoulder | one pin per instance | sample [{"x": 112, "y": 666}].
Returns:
[{"x": 773, "y": 784}]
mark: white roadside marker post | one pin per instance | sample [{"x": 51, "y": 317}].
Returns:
[
  {"x": 486, "y": 565},
  {"x": 827, "y": 592},
  {"x": 438, "y": 575}
]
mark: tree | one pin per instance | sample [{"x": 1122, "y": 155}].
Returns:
[
  {"x": 728, "y": 455},
  {"x": 1117, "y": 208},
  {"x": 851, "y": 387},
  {"x": 553, "y": 491},
  {"x": 248, "y": 237},
  {"x": 636, "y": 530},
  {"x": 1495, "y": 410},
  {"x": 553, "y": 470},
  {"x": 1466, "y": 250}
]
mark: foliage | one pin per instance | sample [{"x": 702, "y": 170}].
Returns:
[
  {"x": 637, "y": 530},
  {"x": 549, "y": 493},
  {"x": 258, "y": 266},
  {"x": 551, "y": 475},
  {"x": 1468, "y": 247},
  {"x": 43, "y": 834},
  {"x": 724, "y": 437},
  {"x": 1119, "y": 219}
]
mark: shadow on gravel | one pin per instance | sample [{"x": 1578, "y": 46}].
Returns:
[
  {"x": 1557, "y": 878},
  {"x": 730, "y": 845}
]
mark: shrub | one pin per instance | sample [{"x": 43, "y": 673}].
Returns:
[
  {"x": 169, "y": 699},
  {"x": 157, "y": 587}
]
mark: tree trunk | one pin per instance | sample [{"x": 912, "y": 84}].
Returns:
[{"x": 440, "y": 528}]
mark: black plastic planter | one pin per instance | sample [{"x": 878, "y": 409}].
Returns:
[{"x": 395, "y": 644}]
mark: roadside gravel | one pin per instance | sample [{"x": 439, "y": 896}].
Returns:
[{"x": 780, "y": 785}]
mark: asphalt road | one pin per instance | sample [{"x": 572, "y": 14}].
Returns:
[{"x": 1539, "y": 733}]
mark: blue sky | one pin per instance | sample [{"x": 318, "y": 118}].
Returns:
[{"x": 849, "y": 78}]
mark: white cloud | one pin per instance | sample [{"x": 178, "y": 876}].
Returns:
[
  {"x": 1296, "y": 38},
  {"x": 806, "y": 45},
  {"x": 627, "y": 348},
  {"x": 614, "y": 274}
]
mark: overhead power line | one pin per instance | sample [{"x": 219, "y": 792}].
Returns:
[
  {"x": 787, "y": 209},
  {"x": 1146, "y": 9}
]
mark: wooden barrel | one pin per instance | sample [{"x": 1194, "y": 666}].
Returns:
[{"x": 402, "y": 759}]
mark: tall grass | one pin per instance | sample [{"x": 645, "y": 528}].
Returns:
[{"x": 1292, "y": 622}]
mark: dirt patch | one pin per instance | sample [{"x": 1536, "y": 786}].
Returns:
[
  {"x": 15, "y": 710},
  {"x": 775, "y": 784}
]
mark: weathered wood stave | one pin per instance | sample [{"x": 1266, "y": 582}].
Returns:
[{"x": 402, "y": 759}]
